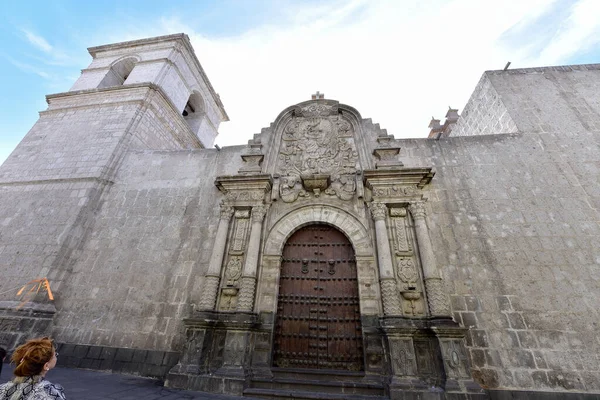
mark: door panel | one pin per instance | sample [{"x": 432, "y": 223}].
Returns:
[{"x": 318, "y": 317}]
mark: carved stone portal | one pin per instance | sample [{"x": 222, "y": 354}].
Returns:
[{"x": 317, "y": 142}]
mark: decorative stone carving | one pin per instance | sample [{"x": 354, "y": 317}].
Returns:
[
  {"x": 258, "y": 213},
  {"x": 233, "y": 271},
  {"x": 315, "y": 183},
  {"x": 436, "y": 296},
  {"x": 455, "y": 359},
  {"x": 407, "y": 272},
  {"x": 240, "y": 231},
  {"x": 389, "y": 294},
  {"x": 317, "y": 142},
  {"x": 378, "y": 210},
  {"x": 344, "y": 187},
  {"x": 244, "y": 195},
  {"x": 394, "y": 191},
  {"x": 401, "y": 243},
  {"x": 226, "y": 212},
  {"x": 291, "y": 188},
  {"x": 417, "y": 210},
  {"x": 209, "y": 293},
  {"x": 402, "y": 357},
  {"x": 412, "y": 304},
  {"x": 246, "y": 296}
]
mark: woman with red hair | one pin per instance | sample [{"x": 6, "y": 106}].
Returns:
[{"x": 33, "y": 359}]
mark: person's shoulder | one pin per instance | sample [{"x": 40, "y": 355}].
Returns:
[{"x": 54, "y": 390}]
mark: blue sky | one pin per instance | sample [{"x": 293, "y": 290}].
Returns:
[{"x": 398, "y": 62}]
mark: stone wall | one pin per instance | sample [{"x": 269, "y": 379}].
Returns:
[
  {"x": 515, "y": 227},
  {"x": 485, "y": 113},
  {"x": 141, "y": 269}
]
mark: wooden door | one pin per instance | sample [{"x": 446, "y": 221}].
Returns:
[{"x": 318, "y": 318}]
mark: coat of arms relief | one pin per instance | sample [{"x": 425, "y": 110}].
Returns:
[{"x": 317, "y": 155}]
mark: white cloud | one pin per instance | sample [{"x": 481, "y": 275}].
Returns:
[
  {"x": 37, "y": 41},
  {"x": 28, "y": 68},
  {"x": 579, "y": 32},
  {"x": 398, "y": 63}
]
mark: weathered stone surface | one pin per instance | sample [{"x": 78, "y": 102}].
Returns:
[{"x": 112, "y": 196}]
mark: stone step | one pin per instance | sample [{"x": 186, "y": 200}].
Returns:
[
  {"x": 318, "y": 375},
  {"x": 332, "y": 385},
  {"x": 276, "y": 394}
]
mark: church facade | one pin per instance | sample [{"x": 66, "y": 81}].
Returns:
[{"x": 323, "y": 258}]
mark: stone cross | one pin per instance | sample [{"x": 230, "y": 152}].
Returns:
[{"x": 318, "y": 96}]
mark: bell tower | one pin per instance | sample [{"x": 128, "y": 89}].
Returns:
[
  {"x": 149, "y": 94},
  {"x": 167, "y": 64}
]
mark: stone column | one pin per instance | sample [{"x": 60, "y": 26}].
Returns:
[
  {"x": 387, "y": 281},
  {"x": 248, "y": 284},
  {"x": 434, "y": 286},
  {"x": 213, "y": 275}
]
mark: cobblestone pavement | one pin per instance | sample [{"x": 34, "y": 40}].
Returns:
[{"x": 93, "y": 385}]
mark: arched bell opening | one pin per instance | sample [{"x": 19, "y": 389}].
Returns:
[
  {"x": 118, "y": 73},
  {"x": 318, "y": 321},
  {"x": 193, "y": 112}
]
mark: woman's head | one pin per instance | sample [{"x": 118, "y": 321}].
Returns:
[{"x": 36, "y": 357}]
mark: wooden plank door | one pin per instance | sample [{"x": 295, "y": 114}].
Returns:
[{"x": 318, "y": 317}]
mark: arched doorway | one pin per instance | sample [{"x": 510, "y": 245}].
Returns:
[{"x": 318, "y": 316}]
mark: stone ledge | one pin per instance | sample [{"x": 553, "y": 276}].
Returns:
[{"x": 151, "y": 363}]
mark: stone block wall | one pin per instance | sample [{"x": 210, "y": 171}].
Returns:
[
  {"x": 517, "y": 242},
  {"x": 141, "y": 269},
  {"x": 485, "y": 113},
  {"x": 515, "y": 225}
]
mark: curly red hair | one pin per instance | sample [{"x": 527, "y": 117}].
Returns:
[{"x": 31, "y": 357}]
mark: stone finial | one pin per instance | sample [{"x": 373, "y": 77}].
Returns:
[
  {"x": 434, "y": 124},
  {"x": 318, "y": 96},
  {"x": 452, "y": 115},
  {"x": 438, "y": 130}
]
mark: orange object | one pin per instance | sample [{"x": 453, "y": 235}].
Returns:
[{"x": 36, "y": 285}]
